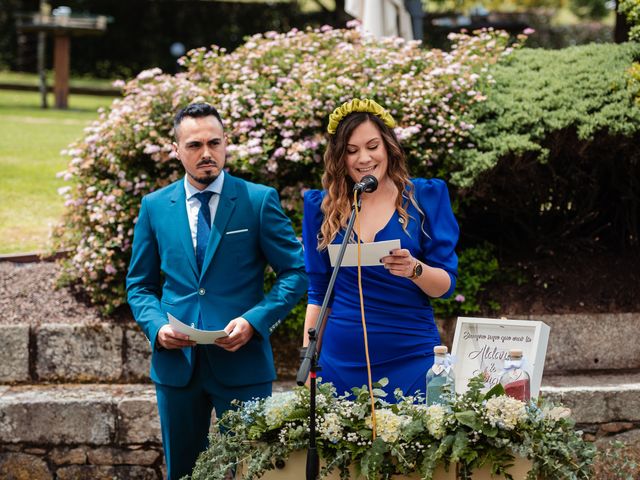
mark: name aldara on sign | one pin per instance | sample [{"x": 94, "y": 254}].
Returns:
[{"x": 488, "y": 353}]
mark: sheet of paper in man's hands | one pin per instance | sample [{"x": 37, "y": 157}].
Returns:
[
  {"x": 370, "y": 253},
  {"x": 203, "y": 337}
]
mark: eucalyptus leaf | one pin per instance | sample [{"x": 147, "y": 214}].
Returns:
[
  {"x": 470, "y": 419},
  {"x": 495, "y": 391}
]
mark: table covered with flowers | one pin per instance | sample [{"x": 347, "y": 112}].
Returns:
[{"x": 471, "y": 436}]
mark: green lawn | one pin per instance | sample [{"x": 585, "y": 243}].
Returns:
[
  {"x": 22, "y": 78},
  {"x": 30, "y": 143}
]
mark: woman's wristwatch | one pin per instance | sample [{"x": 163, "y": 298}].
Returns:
[{"x": 417, "y": 270}]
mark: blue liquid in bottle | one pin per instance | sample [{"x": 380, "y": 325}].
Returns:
[{"x": 440, "y": 378}]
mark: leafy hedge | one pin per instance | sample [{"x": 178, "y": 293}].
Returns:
[
  {"x": 631, "y": 9},
  {"x": 557, "y": 154},
  {"x": 538, "y": 92}
]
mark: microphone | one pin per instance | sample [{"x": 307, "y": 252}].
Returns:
[{"x": 367, "y": 184}]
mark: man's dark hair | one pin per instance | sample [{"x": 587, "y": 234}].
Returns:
[{"x": 195, "y": 110}]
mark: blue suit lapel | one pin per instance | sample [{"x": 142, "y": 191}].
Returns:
[
  {"x": 183, "y": 230},
  {"x": 226, "y": 205}
]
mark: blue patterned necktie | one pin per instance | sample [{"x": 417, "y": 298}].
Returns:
[{"x": 204, "y": 226}]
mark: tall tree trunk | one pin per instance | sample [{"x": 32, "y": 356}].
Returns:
[
  {"x": 621, "y": 29},
  {"x": 340, "y": 15}
]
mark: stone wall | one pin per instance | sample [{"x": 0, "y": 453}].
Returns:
[
  {"x": 71, "y": 431},
  {"x": 101, "y": 353},
  {"x": 109, "y": 353},
  {"x": 76, "y": 403}
]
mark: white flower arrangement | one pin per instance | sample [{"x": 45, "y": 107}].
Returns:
[
  {"x": 473, "y": 430},
  {"x": 436, "y": 420},
  {"x": 505, "y": 412}
]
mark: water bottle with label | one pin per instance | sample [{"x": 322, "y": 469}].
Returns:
[
  {"x": 515, "y": 379},
  {"x": 440, "y": 378}
]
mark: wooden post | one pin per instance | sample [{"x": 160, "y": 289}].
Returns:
[
  {"x": 61, "y": 54},
  {"x": 42, "y": 74},
  {"x": 45, "y": 11}
]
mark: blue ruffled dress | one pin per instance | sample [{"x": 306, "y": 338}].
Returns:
[{"x": 400, "y": 326}]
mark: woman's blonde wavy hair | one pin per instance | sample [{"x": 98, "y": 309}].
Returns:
[{"x": 336, "y": 205}]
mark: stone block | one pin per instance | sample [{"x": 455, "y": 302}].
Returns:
[
  {"x": 35, "y": 451},
  {"x": 123, "y": 456},
  {"x": 138, "y": 356},
  {"x": 597, "y": 398},
  {"x": 138, "y": 419},
  {"x": 92, "y": 472},
  {"x": 11, "y": 448},
  {"x": 14, "y": 355},
  {"x": 79, "y": 353},
  {"x": 20, "y": 466},
  {"x": 57, "y": 415},
  {"x": 68, "y": 456},
  {"x": 591, "y": 341},
  {"x": 614, "y": 427}
]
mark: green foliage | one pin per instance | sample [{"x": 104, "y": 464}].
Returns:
[
  {"x": 539, "y": 93},
  {"x": 614, "y": 462},
  {"x": 631, "y": 9},
  {"x": 493, "y": 5},
  {"x": 634, "y": 81},
  {"x": 555, "y": 157},
  {"x": 474, "y": 430},
  {"x": 590, "y": 9},
  {"x": 477, "y": 266}
]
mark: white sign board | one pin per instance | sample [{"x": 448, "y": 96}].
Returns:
[{"x": 481, "y": 345}]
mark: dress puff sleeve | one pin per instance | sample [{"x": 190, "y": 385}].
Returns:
[
  {"x": 316, "y": 263},
  {"x": 441, "y": 226}
]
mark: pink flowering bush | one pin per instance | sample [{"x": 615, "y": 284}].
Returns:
[{"x": 275, "y": 93}]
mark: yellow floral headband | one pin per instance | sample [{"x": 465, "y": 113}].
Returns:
[{"x": 357, "y": 105}]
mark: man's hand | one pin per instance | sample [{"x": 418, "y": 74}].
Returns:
[
  {"x": 240, "y": 332},
  {"x": 170, "y": 338}
]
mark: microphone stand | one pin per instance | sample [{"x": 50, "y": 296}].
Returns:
[{"x": 309, "y": 366}]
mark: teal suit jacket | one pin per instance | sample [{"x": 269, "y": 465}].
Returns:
[{"x": 249, "y": 232}]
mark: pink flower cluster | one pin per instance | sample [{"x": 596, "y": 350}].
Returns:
[{"x": 274, "y": 93}]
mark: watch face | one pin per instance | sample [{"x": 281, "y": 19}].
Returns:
[{"x": 418, "y": 270}]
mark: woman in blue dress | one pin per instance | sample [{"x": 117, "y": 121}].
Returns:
[{"x": 399, "y": 319}]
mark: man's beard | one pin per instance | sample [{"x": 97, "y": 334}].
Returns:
[
  {"x": 208, "y": 178},
  {"x": 204, "y": 179}
]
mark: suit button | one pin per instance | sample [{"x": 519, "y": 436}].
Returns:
[{"x": 201, "y": 291}]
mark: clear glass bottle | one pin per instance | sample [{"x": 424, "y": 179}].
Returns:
[
  {"x": 515, "y": 379},
  {"x": 440, "y": 377}
]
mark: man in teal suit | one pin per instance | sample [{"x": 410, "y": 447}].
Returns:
[{"x": 200, "y": 248}]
